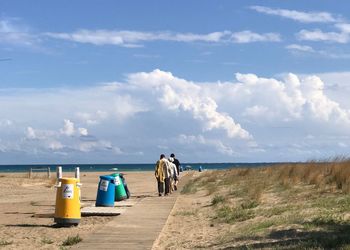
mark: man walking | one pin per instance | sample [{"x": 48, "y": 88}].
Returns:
[
  {"x": 177, "y": 164},
  {"x": 159, "y": 174}
]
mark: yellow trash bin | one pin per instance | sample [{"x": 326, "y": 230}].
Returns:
[{"x": 67, "y": 211}]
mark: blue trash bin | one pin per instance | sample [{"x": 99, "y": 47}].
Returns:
[{"x": 105, "y": 191}]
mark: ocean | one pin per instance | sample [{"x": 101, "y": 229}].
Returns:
[{"x": 128, "y": 167}]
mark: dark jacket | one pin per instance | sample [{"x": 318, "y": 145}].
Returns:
[{"x": 177, "y": 164}]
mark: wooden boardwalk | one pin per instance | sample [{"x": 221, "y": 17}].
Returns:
[{"x": 137, "y": 228}]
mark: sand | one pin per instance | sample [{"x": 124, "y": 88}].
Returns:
[
  {"x": 185, "y": 227},
  {"x": 27, "y": 207}
]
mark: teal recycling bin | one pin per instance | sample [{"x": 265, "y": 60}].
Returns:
[
  {"x": 120, "y": 193},
  {"x": 105, "y": 191}
]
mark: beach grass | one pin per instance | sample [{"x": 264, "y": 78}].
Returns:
[
  {"x": 289, "y": 206},
  {"x": 5, "y": 243},
  {"x": 72, "y": 240},
  {"x": 46, "y": 240}
]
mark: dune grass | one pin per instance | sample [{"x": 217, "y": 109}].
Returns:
[
  {"x": 298, "y": 205},
  {"x": 72, "y": 240}
]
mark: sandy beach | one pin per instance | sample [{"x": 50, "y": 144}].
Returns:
[
  {"x": 293, "y": 206},
  {"x": 27, "y": 207}
]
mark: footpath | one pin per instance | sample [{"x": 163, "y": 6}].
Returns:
[{"x": 138, "y": 227}]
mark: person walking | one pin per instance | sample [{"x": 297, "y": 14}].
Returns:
[
  {"x": 167, "y": 175},
  {"x": 174, "y": 174},
  {"x": 159, "y": 174},
  {"x": 177, "y": 164}
]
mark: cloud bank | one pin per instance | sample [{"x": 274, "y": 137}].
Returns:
[{"x": 249, "y": 119}]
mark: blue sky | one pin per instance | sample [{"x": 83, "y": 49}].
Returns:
[{"x": 212, "y": 81}]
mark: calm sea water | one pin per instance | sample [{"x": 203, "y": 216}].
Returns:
[{"x": 128, "y": 167}]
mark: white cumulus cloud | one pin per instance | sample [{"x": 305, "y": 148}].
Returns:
[
  {"x": 133, "y": 120},
  {"x": 31, "y": 133},
  {"x": 68, "y": 128},
  {"x": 178, "y": 94},
  {"x": 83, "y": 131}
]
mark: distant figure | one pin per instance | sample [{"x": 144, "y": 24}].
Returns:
[
  {"x": 159, "y": 174},
  {"x": 178, "y": 169},
  {"x": 200, "y": 169}
]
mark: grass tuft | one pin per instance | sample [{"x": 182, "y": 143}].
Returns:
[
  {"x": 5, "y": 242},
  {"x": 249, "y": 204},
  {"x": 72, "y": 240},
  {"x": 231, "y": 215},
  {"x": 217, "y": 199},
  {"x": 186, "y": 213},
  {"x": 47, "y": 241},
  {"x": 190, "y": 187}
]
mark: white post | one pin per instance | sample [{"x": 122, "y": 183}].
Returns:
[
  {"x": 77, "y": 173},
  {"x": 59, "y": 172},
  {"x": 48, "y": 172},
  {"x": 58, "y": 176}
]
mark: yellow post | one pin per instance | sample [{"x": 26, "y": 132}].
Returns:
[{"x": 67, "y": 211}]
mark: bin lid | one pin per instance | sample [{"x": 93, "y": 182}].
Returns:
[{"x": 106, "y": 177}]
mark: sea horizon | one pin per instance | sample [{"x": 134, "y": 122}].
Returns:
[{"x": 129, "y": 166}]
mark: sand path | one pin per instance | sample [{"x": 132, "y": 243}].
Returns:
[{"x": 138, "y": 227}]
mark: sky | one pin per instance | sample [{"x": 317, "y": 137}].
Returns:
[{"x": 211, "y": 81}]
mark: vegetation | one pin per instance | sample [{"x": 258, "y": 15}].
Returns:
[
  {"x": 298, "y": 206},
  {"x": 46, "y": 241},
  {"x": 217, "y": 199},
  {"x": 5, "y": 242},
  {"x": 190, "y": 187},
  {"x": 72, "y": 240},
  {"x": 186, "y": 213}
]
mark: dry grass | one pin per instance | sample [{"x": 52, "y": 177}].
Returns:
[
  {"x": 302, "y": 205},
  {"x": 334, "y": 172}
]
